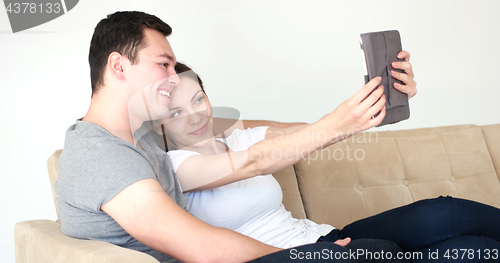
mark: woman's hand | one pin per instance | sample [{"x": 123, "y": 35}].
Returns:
[
  {"x": 357, "y": 113},
  {"x": 410, "y": 87}
]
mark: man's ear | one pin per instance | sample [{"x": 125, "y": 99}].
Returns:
[{"x": 115, "y": 65}]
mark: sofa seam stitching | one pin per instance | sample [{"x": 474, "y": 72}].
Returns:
[
  {"x": 449, "y": 164},
  {"x": 491, "y": 158},
  {"x": 300, "y": 192},
  {"x": 394, "y": 139},
  {"x": 359, "y": 183}
]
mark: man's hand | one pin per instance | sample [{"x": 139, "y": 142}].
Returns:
[
  {"x": 410, "y": 87},
  {"x": 343, "y": 242}
]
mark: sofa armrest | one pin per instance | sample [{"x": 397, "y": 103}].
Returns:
[{"x": 42, "y": 241}]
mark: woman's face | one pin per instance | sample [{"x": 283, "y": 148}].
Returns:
[{"x": 189, "y": 120}]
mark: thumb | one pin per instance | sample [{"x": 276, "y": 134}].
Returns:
[{"x": 343, "y": 242}]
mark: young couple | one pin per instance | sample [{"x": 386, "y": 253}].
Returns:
[
  {"x": 115, "y": 188},
  {"x": 239, "y": 193}
]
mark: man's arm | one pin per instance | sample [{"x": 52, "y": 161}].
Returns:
[{"x": 148, "y": 214}]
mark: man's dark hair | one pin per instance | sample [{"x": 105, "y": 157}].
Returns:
[{"x": 122, "y": 32}]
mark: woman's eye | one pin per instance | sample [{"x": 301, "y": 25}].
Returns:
[
  {"x": 198, "y": 100},
  {"x": 175, "y": 114},
  {"x": 164, "y": 64}
]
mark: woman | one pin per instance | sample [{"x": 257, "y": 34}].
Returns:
[{"x": 228, "y": 182}]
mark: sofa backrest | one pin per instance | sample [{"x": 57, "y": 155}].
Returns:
[
  {"x": 491, "y": 135},
  {"x": 375, "y": 171}
]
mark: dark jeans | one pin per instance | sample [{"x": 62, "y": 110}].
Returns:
[
  {"x": 359, "y": 251},
  {"x": 465, "y": 229}
]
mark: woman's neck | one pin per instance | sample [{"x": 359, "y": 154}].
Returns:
[
  {"x": 208, "y": 147},
  {"x": 215, "y": 147}
]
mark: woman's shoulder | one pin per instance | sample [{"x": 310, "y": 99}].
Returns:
[
  {"x": 243, "y": 139},
  {"x": 177, "y": 157},
  {"x": 256, "y": 133},
  {"x": 180, "y": 153}
]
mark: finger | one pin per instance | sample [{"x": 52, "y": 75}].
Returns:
[
  {"x": 364, "y": 92},
  {"x": 410, "y": 90},
  {"x": 404, "y": 55},
  {"x": 373, "y": 110},
  {"x": 377, "y": 120},
  {"x": 343, "y": 242},
  {"x": 372, "y": 98},
  {"x": 404, "y": 65},
  {"x": 405, "y": 78}
]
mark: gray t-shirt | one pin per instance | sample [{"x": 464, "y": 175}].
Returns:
[{"x": 94, "y": 167}]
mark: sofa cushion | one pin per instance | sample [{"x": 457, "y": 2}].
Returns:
[
  {"x": 376, "y": 171},
  {"x": 291, "y": 195}
]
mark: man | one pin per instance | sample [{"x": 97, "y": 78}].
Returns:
[{"x": 120, "y": 189}]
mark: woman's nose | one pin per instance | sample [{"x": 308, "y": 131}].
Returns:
[{"x": 194, "y": 118}]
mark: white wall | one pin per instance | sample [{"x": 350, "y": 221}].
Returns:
[{"x": 279, "y": 60}]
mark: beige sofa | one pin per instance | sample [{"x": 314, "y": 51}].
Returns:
[{"x": 361, "y": 176}]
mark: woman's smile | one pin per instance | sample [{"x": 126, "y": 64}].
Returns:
[{"x": 201, "y": 130}]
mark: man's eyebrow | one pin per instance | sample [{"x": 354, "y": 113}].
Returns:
[{"x": 167, "y": 56}]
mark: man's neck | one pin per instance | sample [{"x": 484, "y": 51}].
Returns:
[{"x": 112, "y": 115}]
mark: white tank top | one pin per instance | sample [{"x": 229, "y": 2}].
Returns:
[{"x": 252, "y": 207}]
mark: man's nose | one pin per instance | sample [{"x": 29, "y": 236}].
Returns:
[{"x": 174, "y": 79}]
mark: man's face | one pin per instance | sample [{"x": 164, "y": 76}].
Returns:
[{"x": 153, "y": 78}]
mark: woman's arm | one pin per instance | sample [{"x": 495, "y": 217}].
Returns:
[
  {"x": 229, "y": 125},
  {"x": 275, "y": 153},
  {"x": 275, "y": 131},
  {"x": 278, "y": 150},
  {"x": 274, "y": 124}
]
